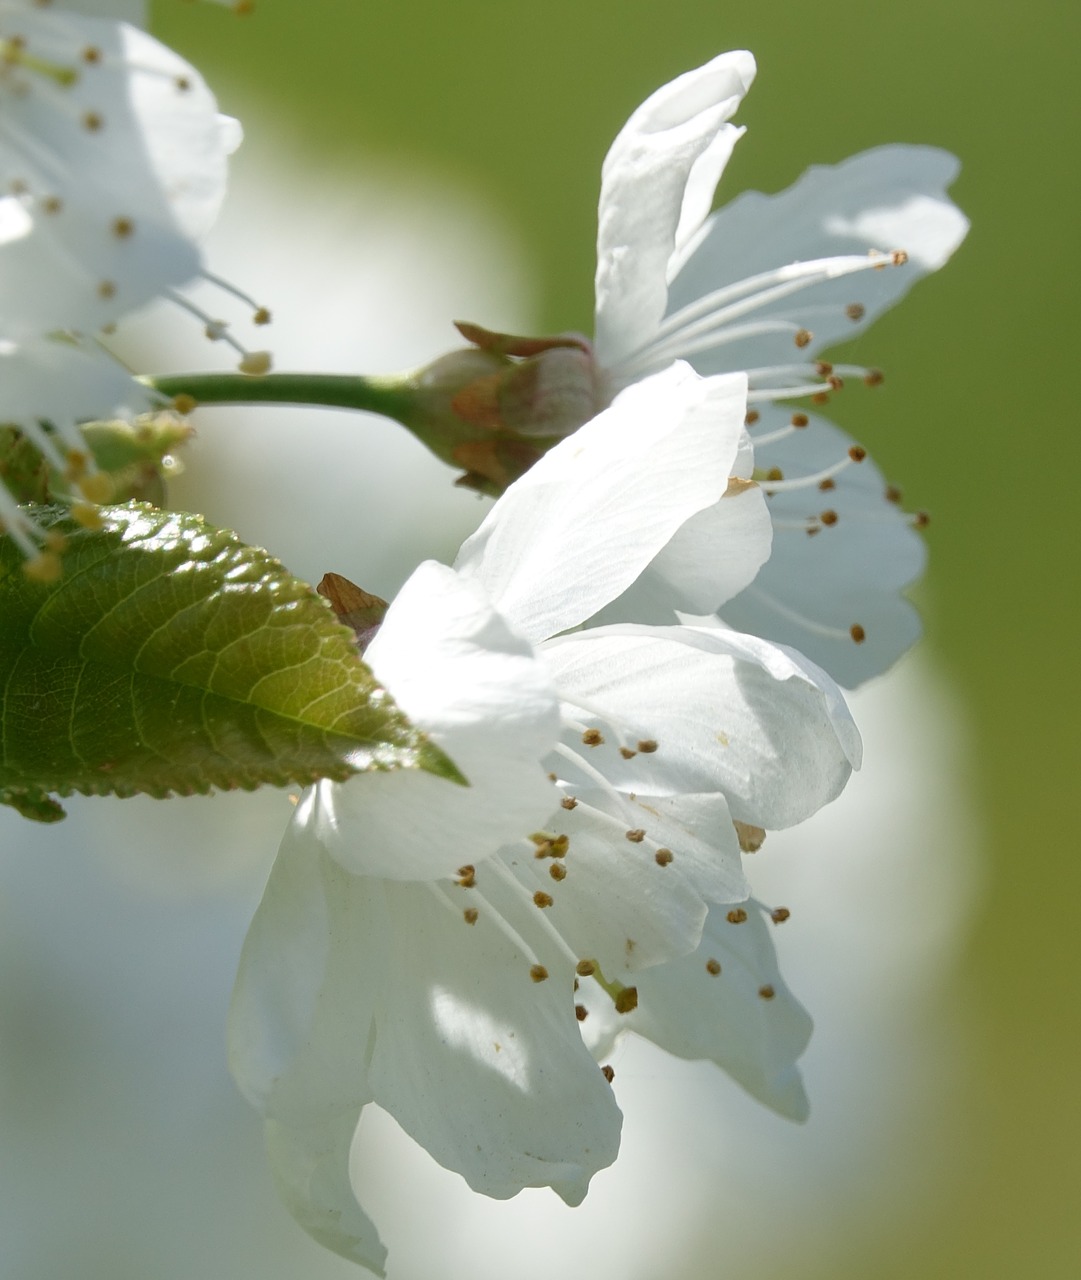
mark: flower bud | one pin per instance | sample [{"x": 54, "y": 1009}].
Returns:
[{"x": 496, "y": 407}]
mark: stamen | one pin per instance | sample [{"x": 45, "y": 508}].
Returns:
[
  {"x": 254, "y": 362},
  {"x": 736, "y": 916},
  {"x": 705, "y": 323},
  {"x": 855, "y": 455},
  {"x": 260, "y": 314},
  {"x": 854, "y": 632},
  {"x": 713, "y": 966}
]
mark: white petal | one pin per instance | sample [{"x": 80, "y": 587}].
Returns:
[
  {"x": 616, "y": 904},
  {"x": 119, "y": 171},
  {"x": 53, "y": 381},
  {"x": 656, "y": 186},
  {"x": 482, "y": 1065},
  {"x": 695, "y": 1013},
  {"x": 582, "y": 524},
  {"x": 890, "y": 198},
  {"x": 730, "y": 714},
  {"x": 711, "y": 558},
  {"x": 312, "y": 1173},
  {"x": 815, "y": 588},
  {"x": 452, "y": 665},
  {"x": 299, "y": 1026}
]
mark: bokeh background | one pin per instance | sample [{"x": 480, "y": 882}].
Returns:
[{"x": 452, "y": 152}]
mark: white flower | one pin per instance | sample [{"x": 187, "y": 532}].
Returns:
[
  {"x": 419, "y": 945},
  {"x": 113, "y": 163},
  {"x": 763, "y": 285}
]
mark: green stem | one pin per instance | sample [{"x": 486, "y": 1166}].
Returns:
[{"x": 389, "y": 396}]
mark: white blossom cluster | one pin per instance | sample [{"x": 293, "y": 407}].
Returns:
[
  {"x": 627, "y": 661},
  {"x": 112, "y": 167},
  {"x": 465, "y": 957}
]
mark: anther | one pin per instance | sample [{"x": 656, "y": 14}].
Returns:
[
  {"x": 52, "y": 204},
  {"x": 899, "y": 257},
  {"x": 835, "y": 382},
  {"x": 569, "y": 802},
  {"x": 581, "y": 1012},
  {"x": 469, "y": 915},
  {"x": 585, "y": 968},
  {"x": 106, "y": 289},
  {"x": 800, "y": 420},
  {"x": 636, "y": 836},
  {"x": 827, "y": 484},
  {"x": 557, "y": 871},
  {"x": 775, "y": 474},
  {"x": 855, "y": 311},
  {"x": 467, "y": 876},
  {"x": 921, "y": 519},
  {"x": 122, "y": 228},
  {"x": 751, "y": 838},
  {"x": 874, "y": 377},
  {"x": 752, "y": 417},
  {"x": 736, "y": 916},
  {"x": 663, "y": 857},
  {"x": 185, "y": 404},
  {"x": 182, "y": 83},
  {"x": 828, "y": 517},
  {"x": 857, "y": 453},
  {"x": 823, "y": 368},
  {"x": 767, "y": 992},
  {"x": 92, "y": 121},
  {"x": 857, "y": 633},
  {"x": 820, "y": 397},
  {"x": 803, "y": 337},
  {"x": 97, "y": 487},
  {"x": 893, "y": 494},
  {"x": 779, "y": 915},
  {"x": 592, "y": 738},
  {"x": 627, "y": 753},
  {"x": 713, "y": 966},
  {"x": 647, "y": 746},
  {"x": 255, "y": 363},
  {"x": 46, "y": 566},
  {"x": 542, "y": 899},
  {"x": 538, "y": 972},
  {"x": 558, "y": 847},
  {"x": 626, "y": 1000},
  {"x": 91, "y": 55},
  {"x": 608, "y": 1073}
]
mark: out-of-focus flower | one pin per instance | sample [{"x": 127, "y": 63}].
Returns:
[
  {"x": 762, "y": 285},
  {"x": 410, "y": 952},
  {"x": 112, "y": 167}
]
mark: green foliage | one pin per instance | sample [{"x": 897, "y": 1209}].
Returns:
[{"x": 171, "y": 658}]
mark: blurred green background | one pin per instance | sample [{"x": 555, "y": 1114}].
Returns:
[{"x": 520, "y": 102}]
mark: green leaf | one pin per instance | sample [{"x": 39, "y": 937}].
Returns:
[{"x": 172, "y": 658}]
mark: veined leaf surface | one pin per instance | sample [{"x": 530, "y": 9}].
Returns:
[{"x": 171, "y": 658}]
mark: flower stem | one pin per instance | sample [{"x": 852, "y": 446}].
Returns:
[{"x": 389, "y": 396}]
